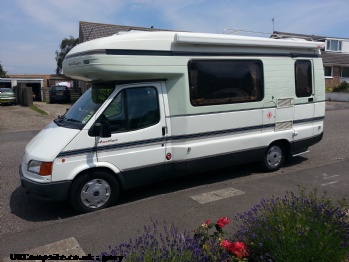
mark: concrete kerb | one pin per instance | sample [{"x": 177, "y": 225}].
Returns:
[{"x": 67, "y": 247}]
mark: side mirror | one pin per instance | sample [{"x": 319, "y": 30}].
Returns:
[
  {"x": 101, "y": 129},
  {"x": 105, "y": 129}
]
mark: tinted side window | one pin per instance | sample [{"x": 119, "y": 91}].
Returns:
[
  {"x": 214, "y": 82},
  {"x": 133, "y": 109},
  {"x": 304, "y": 85}
]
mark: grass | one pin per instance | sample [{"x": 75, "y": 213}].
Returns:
[{"x": 38, "y": 110}]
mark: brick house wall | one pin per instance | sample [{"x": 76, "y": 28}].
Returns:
[{"x": 333, "y": 81}]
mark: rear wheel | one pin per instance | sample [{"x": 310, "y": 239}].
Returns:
[
  {"x": 94, "y": 191},
  {"x": 274, "y": 157}
]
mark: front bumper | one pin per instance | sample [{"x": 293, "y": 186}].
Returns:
[
  {"x": 53, "y": 191},
  {"x": 8, "y": 100}
]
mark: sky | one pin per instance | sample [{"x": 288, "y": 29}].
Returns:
[{"x": 31, "y": 30}]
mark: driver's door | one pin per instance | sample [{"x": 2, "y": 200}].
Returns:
[{"x": 137, "y": 145}]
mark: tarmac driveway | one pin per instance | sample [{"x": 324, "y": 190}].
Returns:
[{"x": 20, "y": 118}]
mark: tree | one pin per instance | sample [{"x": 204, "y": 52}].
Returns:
[
  {"x": 66, "y": 45},
  {"x": 2, "y": 72}
]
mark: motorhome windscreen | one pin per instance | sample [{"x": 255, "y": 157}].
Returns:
[
  {"x": 214, "y": 82},
  {"x": 83, "y": 109}
]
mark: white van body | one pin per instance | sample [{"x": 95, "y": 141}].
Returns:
[{"x": 210, "y": 101}]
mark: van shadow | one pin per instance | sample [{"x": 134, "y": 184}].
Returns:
[
  {"x": 30, "y": 209},
  {"x": 33, "y": 210},
  {"x": 296, "y": 160},
  {"x": 190, "y": 181},
  {"x": 186, "y": 182}
]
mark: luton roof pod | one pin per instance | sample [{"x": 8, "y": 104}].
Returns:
[{"x": 157, "y": 55}]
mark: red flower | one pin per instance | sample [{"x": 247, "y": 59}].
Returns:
[
  {"x": 208, "y": 222},
  {"x": 239, "y": 249},
  {"x": 223, "y": 221},
  {"x": 226, "y": 244}
]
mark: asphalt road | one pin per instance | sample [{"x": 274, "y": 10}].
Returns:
[{"x": 27, "y": 224}]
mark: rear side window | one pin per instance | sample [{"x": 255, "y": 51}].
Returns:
[
  {"x": 303, "y": 81},
  {"x": 214, "y": 82}
]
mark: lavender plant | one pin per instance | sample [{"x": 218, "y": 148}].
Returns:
[
  {"x": 164, "y": 244},
  {"x": 296, "y": 228}
]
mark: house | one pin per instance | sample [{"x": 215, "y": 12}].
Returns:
[
  {"x": 39, "y": 83},
  {"x": 89, "y": 31},
  {"x": 335, "y": 56}
]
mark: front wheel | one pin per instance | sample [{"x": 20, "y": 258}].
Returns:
[
  {"x": 94, "y": 191},
  {"x": 274, "y": 157}
]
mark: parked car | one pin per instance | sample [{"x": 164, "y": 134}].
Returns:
[
  {"x": 7, "y": 96},
  {"x": 59, "y": 94}
]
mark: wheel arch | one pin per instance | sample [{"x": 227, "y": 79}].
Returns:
[
  {"x": 286, "y": 146},
  {"x": 275, "y": 155},
  {"x": 118, "y": 176},
  {"x": 94, "y": 189}
]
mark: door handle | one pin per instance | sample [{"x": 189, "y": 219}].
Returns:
[
  {"x": 164, "y": 130},
  {"x": 310, "y": 99}
]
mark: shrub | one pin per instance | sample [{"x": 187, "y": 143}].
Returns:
[
  {"x": 342, "y": 87},
  {"x": 305, "y": 228},
  {"x": 293, "y": 228},
  {"x": 213, "y": 245},
  {"x": 160, "y": 245},
  {"x": 328, "y": 89}
]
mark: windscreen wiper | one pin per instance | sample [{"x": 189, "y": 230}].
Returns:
[{"x": 71, "y": 120}]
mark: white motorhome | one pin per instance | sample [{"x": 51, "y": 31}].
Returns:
[{"x": 165, "y": 104}]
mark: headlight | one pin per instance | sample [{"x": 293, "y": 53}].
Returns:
[{"x": 40, "y": 168}]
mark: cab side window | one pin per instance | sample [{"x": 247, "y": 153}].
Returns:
[
  {"x": 133, "y": 109},
  {"x": 303, "y": 78}
]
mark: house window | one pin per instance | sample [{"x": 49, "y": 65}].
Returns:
[
  {"x": 345, "y": 72},
  {"x": 334, "y": 45},
  {"x": 328, "y": 71},
  {"x": 215, "y": 82},
  {"x": 304, "y": 85}
]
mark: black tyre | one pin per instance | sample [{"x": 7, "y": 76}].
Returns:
[
  {"x": 94, "y": 191},
  {"x": 274, "y": 157}
]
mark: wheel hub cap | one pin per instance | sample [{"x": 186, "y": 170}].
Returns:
[
  {"x": 95, "y": 193},
  {"x": 274, "y": 156}
]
